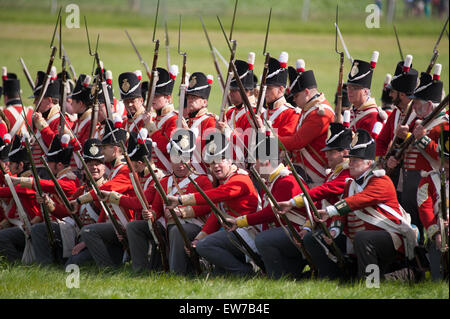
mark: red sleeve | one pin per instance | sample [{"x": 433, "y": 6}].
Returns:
[
  {"x": 3, "y": 129},
  {"x": 386, "y": 135},
  {"x": 68, "y": 186},
  {"x": 225, "y": 192},
  {"x": 334, "y": 187},
  {"x": 120, "y": 183},
  {"x": 426, "y": 207},
  {"x": 132, "y": 202},
  {"x": 432, "y": 147},
  {"x": 289, "y": 123},
  {"x": 313, "y": 126},
  {"x": 205, "y": 184}
]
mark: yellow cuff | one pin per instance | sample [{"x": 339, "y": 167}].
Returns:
[
  {"x": 114, "y": 197},
  {"x": 51, "y": 206},
  {"x": 26, "y": 182},
  {"x": 408, "y": 135},
  {"x": 40, "y": 124},
  {"x": 86, "y": 198},
  {"x": 307, "y": 224},
  {"x": 188, "y": 200},
  {"x": 299, "y": 202},
  {"x": 242, "y": 221},
  {"x": 187, "y": 212}
]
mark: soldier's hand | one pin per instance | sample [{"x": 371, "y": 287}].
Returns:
[
  {"x": 173, "y": 201},
  {"x": 392, "y": 162},
  {"x": 75, "y": 206},
  {"x": 146, "y": 118},
  {"x": 105, "y": 195},
  {"x": 303, "y": 232},
  {"x": 148, "y": 214},
  {"x": 260, "y": 123},
  {"x": 193, "y": 244},
  {"x": 15, "y": 180},
  {"x": 323, "y": 216},
  {"x": 78, "y": 248},
  {"x": 419, "y": 132},
  {"x": 327, "y": 239},
  {"x": 36, "y": 116},
  {"x": 221, "y": 126},
  {"x": 285, "y": 207},
  {"x": 232, "y": 224},
  {"x": 402, "y": 131}
]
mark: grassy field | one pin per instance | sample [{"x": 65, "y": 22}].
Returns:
[{"x": 19, "y": 281}]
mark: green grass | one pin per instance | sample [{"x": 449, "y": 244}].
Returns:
[{"x": 19, "y": 281}]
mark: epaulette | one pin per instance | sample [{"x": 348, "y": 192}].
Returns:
[
  {"x": 71, "y": 176},
  {"x": 284, "y": 172},
  {"x": 379, "y": 172},
  {"x": 383, "y": 115}
]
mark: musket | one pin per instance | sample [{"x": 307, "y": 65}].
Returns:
[
  {"x": 336, "y": 251},
  {"x": 61, "y": 193},
  {"x": 71, "y": 68},
  {"x": 183, "y": 81},
  {"x": 193, "y": 255},
  {"x": 27, "y": 74},
  {"x": 292, "y": 232},
  {"x": 49, "y": 66},
  {"x": 435, "y": 50},
  {"x": 220, "y": 217},
  {"x": 45, "y": 213},
  {"x": 263, "y": 86},
  {"x": 338, "y": 109},
  {"x": 443, "y": 211},
  {"x": 343, "y": 44},
  {"x": 232, "y": 67},
  {"x": 398, "y": 43},
  {"x": 166, "y": 32},
  {"x": 430, "y": 117},
  {"x": 154, "y": 78},
  {"x": 64, "y": 82},
  {"x": 154, "y": 229},
  {"x": 213, "y": 54}
]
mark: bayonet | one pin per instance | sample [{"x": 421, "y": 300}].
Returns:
[
  {"x": 343, "y": 44},
  {"x": 27, "y": 74},
  {"x": 435, "y": 50},
  {"x": 398, "y": 43},
  {"x": 338, "y": 109},
  {"x": 183, "y": 81}
]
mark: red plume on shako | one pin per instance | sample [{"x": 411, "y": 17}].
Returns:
[
  {"x": 87, "y": 81},
  {"x": 374, "y": 59},
  {"x": 53, "y": 73},
  {"x": 387, "y": 79},
  {"x": 210, "y": 79},
  {"x": 173, "y": 71},
  {"x": 7, "y": 138},
  {"x": 284, "y": 57},
  {"x": 300, "y": 65},
  {"x": 109, "y": 77},
  {"x": 251, "y": 60},
  {"x": 117, "y": 121},
  {"x": 138, "y": 74},
  {"x": 437, "y": 72},
  {"x": 4, "y": 73},
  {"x": 407, "y": 63},
  {"x": 142, "y": 136},
  {"x": 65, "y": 139}
]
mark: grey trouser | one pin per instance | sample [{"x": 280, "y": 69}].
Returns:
[
  {"x": 103, "y": 244},
  {"x": 226, "y": 257},
  {"x": 325, "y": 266},
  {"x": 374, "y": 247},
  {"x": 434, "y": 256},
  {"x": 143, "y": 250},
  {"x": 179, "y": 262},
  {"x": 281, "y": 257},
  {"x": 411, "y": 180},
  {"x": 82, "y": 257},
  {"x": 12, "y": 243},
  {"x": 41, "y": 245}
]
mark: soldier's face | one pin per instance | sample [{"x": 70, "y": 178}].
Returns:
[
  {"x": 78, "y": 106},
  {"x": 273, "y": 93},
  {"x": 422, "y": 108},
  {"x": 133, "y": 104},
  {"x": 301, "y": 98},
  {"x": 356, "y": 94},
  {"x": 358, "y": 166},
  {"x": 15, "y": 168},
  {"x": 109, "y": 152},
  {"x": 96, "y": 168},
  {"x": 159, "y": 101},
  {"x": 235, "y": 97},
  {"x": 195, "y": 103},
  {"x": 220, "y": 169},
  {"x": 334, "y": 157},
  {"x": 179, "y": 169}
]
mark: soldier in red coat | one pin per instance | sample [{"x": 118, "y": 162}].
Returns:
[
  {"x": 162, "y": 127},
  {"x": 15, "y": 238},
  {"x": 235, "y": 196},
  {"x": 311, "y": 131},
  {"x": 200, "y": 120},
  {"x": 378, "y": 229},
  {"x": 366, "y": 114},
  {"x": 131, "y": 95},
  {"x": 329, "y": 193},
  {"x": 429, "y": 202}
]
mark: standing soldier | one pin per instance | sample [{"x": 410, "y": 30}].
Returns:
[
  {"x": 131, "y": 95},
  {"x": 373, "y": 220},
  {"x": 423, "y": 154},
  {"x": 15, "y": 242},
  {"x": 200, "y": 120},
  {"x": 387, "y": 103},
  {"x": 282, "y": 116},
  {"x": 365, "y": 114},
  {"x": 311, "y": 132},
  {"x": 429, "y": 202},
  {"x": 165, "y": 123},
  {"x": 12, "y": 116},
  {"x": 401, "y": 87}
]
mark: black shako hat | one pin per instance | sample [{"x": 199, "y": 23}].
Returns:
[
  {"x": 246, "y": 76},
  {"x": 216, "y": 148},
  {"x": 340, "y": 137},
  {"x": 91, "y": 151},
  {"x": 11, "y": 87},
  {"x": 405, "y": 77},
  {"x": 300, "y": 80},
  {"x": 278, "y": 73},
  {"x": 18, "y": 152},
  {"x": 166, "y": 80},
  {"x": 139, "y": 145},
  {"x": 430, "y": 87},
  {"x": 60, "y": 150},
  {"x": 362, "y": 71},
  {"x": 129, "y": 85},
  {"x": 199, "y": 85},
  {"x": 82, "y": 90},
  {"x": 54, "y": 84},
  {"x": 362, "y": 146},
  {"x": 5, "y": 146},
  {"x": 114, "y": 134},
  {"x": 181, "y": 145}
]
